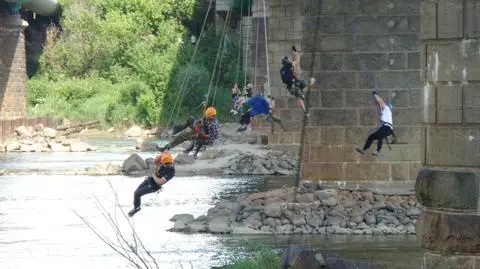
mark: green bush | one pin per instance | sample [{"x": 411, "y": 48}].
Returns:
[{"x": 264, "y": 259}]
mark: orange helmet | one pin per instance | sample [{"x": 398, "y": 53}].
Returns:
[
  {"x": 165, "y": 158},
  {"x": 211, "y": 112}
]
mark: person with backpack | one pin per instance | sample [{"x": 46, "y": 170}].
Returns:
[
  {"x": 290, "y": 75},
  {"x": 164, "y": 172},
  {"x": 383, "y": 131}
]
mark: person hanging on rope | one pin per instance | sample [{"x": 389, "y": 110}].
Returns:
[
  {"x": 239, "y": 102},
  {"x": 384, "y": 130},
  {"x": 206, "y": 132},
  {"x": 248, "y": 90},
  {"x": 290, "y": 75},
  {"x": 210, "y": 123},
  {"x": 271, "y": 117},
  {"x": 164, "y": 172},
  {"x": 257, "y": 105}
]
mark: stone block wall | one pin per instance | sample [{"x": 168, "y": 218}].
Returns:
[
  {"x": 450, "y": 30},
  {"x": 350, "y": 46},
  {"x": 12, "y": 67}
]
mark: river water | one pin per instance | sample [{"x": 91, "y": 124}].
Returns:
[{"x": 40, "y": 225}]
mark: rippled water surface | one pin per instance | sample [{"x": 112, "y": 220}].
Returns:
[{"x": 39, "y": 227}]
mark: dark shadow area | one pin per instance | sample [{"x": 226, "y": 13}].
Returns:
[
  {"x": 36, "y": 35},
  {"x": 190, "y": 83}
]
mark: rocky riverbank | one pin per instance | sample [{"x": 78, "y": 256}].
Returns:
[
  {"x": 42, "y": 139},
  {"x": 311, "y": 209}
]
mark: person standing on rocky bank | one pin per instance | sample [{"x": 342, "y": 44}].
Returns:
[{"x": 164, "y": 172}]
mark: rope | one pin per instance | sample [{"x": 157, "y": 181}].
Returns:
[
  {"x": 254, "y": 73},
  {"x": 185, "y": 79},
  {"x": 229, "y": 17},
  {"x": 240, "y": 44},
  {"x": 266, "y": 45},
  {"x": 246, "y": 50},
  {"x": 302, "y": 136},
  {"x": 222, "y": 40}
]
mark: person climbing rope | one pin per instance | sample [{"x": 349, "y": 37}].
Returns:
[
  {"x": 290, "y": 74},
  {"x": 235, "y": 92},
  {"x": 209, "y": 121},
  {"x": 164, "y": 172},
  {"x": 206, "y": 132},
  {"x": 238, "y": 106},
  {"x": 271, "y": 117},
  {"x": 384, "y": 130},
  {"x": 258, "y": 105},
  {"x": 248, "y": 91}
]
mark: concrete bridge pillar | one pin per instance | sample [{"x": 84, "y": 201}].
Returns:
[
  {"x": 449, "y": 185},
  {"x": 12, "y": 66}
]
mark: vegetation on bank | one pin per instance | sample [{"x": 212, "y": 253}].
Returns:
[
  {"x": 124, "y": 62},
  {"x": 265, "y": 258}
]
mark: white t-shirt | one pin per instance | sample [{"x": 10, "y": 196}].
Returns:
[{"x": 386, "y": 116}]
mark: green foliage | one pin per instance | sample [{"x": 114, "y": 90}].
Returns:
[
  {"x": 125, "y": 61},
  {"x": 192, "y": 83},
  {"x": 265, "y": 258}
]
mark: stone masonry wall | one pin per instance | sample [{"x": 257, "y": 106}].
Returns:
[
  {"x": 452, "y": 90},
  {"x": 351, "y": 40},
  {"x": 12, "y": 68}
]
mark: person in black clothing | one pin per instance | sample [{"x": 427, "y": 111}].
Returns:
[
  {"x": 290, "y": 77},
  {"x": 164, "y": 172}
]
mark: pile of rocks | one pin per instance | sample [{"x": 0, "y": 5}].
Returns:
[
  {"x": 42, "y": 139},
  {"x": 272, "y": 163},
  {"x": 310, "y": 209}
]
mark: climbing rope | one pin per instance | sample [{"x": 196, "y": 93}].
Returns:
[
  {"x": 246, "y": 49},
  {"x": 221, "y": 45},
  {"x": 254, "y": 71},
  {"x": 229, "y": 16},
  {"x": 186, "y": 77},
  {"x": 240, "y": 44},
  {"x": 266, "y": 45},
  {"x": 302, "y": 135}
]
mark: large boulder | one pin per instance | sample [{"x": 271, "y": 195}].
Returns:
[{"x": 134, "y": 163}]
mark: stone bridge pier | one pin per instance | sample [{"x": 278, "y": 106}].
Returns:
[
  {"x": 12, "y": 65},
  {"x": 449, "y": 185}
]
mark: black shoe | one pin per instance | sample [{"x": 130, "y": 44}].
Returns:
[
  {"x": 242, "y": 129},
  {"x": 133, "y": 211},
  {"x": 361, "y": 151}
]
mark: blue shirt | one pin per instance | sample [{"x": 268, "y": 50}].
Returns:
[{"x": 258, "y": 105}]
